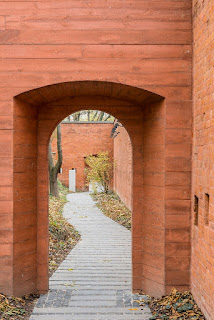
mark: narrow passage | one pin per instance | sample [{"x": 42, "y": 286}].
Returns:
[{"x": 94, "y": 281}]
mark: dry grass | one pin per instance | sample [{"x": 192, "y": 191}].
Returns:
[{"x": 62, "y": 235}]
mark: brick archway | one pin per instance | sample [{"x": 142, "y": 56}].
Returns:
[{"x": 36, "y": 114}]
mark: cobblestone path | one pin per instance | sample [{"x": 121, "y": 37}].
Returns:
[{"x": 94, "y": 281}]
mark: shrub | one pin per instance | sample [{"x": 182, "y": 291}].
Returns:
[{"x": 99, "y": 170}]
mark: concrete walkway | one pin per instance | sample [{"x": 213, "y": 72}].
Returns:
[{"x": 94, "y": 281}]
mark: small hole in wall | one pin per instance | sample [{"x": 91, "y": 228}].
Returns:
[
  {"x": 196, "y": 210},
  {"x": 206, "y": 208}
]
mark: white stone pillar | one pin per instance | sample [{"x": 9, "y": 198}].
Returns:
[{"x": 72, "y": 180}]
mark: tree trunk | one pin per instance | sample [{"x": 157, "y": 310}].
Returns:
[
  {"x": 101, "y": 116},
  {"x": 54, "y": 168},
  {"x": 88, "y": 115},
  {"x": 53, "y": 183},
  {"x": 76, "y": 116},
  {"x": 94, "y": 117}
]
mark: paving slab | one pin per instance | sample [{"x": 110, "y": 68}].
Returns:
[{"x": 94, "y": 281}]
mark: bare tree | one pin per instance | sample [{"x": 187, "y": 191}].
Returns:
[
  {"x": 107, "y": 117},
  {"x": 95, "y": 114},
  {"x": 90, "y": 115},
  {"x": 54, "y": 168},
  {"x": 101, "y": 115},
  {"x": 76, "y": 116}
]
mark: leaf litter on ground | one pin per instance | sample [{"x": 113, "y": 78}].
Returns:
[
  {"x": 62, "y": 238},
  {"x": 111, "y": 205},
  {"x": 175, "y": 306},
  {"x": 62, "y": 235},
  {"x": 14, "y": 308}
]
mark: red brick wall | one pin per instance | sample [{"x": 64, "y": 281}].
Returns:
[
  {"x": 6, "y": 197},
  {"x": 160, "y": 266},
  {"x": 25, "y": 198},
  {"x": 48, "y": 117},
  {"x": 146, "y": 44},
  {"x": 154, "y": 223},
  {"x": 202, "y": 271},
  {"x": 123, "y": 166},
  {"x": 78, "y": 141}
]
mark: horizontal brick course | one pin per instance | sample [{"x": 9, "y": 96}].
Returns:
[
  {"x": 79, "y": 141},
  {"x": 123, "y": 166},
  {"x": 146, "y": 44},
  {"x": 202, "y": 267}
]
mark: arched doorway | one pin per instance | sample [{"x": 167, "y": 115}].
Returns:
[
  {"x": 84, "y": 133},
  {"x": 36, "y": 114}
]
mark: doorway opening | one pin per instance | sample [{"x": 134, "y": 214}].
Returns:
[
  {"x": 105, "y": 147},
  {"x": 36, "y": 114},
  {"x": 83, "y": 133}
]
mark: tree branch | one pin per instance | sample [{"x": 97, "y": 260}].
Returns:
[
  {"x": 94, "y": 117},
  {"x": 100, "y": 118},
  {"x": 108, "y": 116},
  {"x": 59, "y": 148}
]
